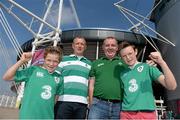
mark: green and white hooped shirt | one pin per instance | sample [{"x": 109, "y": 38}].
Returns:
[{"x": 75, "y": 71}]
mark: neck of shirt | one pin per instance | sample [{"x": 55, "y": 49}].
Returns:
[{"x": 132, "y": 67}]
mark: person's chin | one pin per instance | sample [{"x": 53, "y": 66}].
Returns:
[
  {"x": 51, "y": 71},
  {"x": 111, "y": 55},
  {"x": 130, "y": 64}
]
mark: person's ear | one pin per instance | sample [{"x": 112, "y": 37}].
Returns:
[
  {"x": 136, "y": 51},
  {"x": 85, "y": 47},
  {"x": 72, "y": 45}
]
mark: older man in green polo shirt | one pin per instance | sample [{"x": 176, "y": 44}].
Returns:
[{"x": 105, "y": 92}]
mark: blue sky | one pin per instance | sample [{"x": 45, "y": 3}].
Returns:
[{"x": 91, "y": 13}]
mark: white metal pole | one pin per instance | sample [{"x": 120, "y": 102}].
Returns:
[
  {"x": 58, "y": 29},
  {"x": 97, "y": 50},
  {"x": 31, "y": 14}
]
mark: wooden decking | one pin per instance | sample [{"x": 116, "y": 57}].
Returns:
[{"x": 8, "y": 113}]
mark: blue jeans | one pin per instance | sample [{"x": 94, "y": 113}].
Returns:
[{"x": 104, "y": 110}]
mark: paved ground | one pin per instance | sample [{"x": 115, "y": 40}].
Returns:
[{"x": 8, "y": 113}]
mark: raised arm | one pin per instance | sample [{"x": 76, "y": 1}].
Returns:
[
  {"x": 168, "y": 79},
  {"x": 10, "y": 73}
]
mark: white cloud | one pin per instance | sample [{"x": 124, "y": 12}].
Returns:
[{"x": 67, "y": 16}]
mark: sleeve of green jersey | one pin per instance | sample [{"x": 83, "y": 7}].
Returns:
[
  {"x": 23, "y": 74},
  {"x": 154, "y": 72}
]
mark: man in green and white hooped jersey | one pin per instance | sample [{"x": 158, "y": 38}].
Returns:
[
  {"x": 42, "y": 84},
  {"x": 138, "y": 100},
  {"x": 75, "y": 70}
]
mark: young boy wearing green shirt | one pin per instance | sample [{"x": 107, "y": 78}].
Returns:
[
  {"x": 42, "y": 84},
  {"x": 138, "y": 100}
]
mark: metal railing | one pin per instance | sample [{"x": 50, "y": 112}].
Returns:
[{"x": 7, "y": 101}]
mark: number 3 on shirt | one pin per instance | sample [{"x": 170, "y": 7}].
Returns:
[
  {"x": 46, "y": 94},
  {"x": 133, "y": 85}
]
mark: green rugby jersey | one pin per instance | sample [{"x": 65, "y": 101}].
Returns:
[
  {"x": 39, "y": 94},
  {"x": 137, "y": 84},
  {"x": 75, "y": 72}
]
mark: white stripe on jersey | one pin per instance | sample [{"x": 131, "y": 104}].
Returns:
[
  {"x": 78, "y": 79},
  {"x": 73, "y": 98}
]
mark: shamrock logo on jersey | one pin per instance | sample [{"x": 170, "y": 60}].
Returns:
[
  {"x": 56, "y": 79},
  {"x": 140, "y": 68}
]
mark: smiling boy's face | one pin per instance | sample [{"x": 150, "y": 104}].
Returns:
[
  {"x": 128, "y": 54},
  {"x": 51, "y": 61}
]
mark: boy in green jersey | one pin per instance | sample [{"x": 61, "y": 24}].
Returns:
[
  {"x": 42, "y": 83},
  {"x": 138, "y": 100}
]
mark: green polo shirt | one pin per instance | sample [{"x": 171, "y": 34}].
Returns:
[{"x": 107, "y": 80}]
